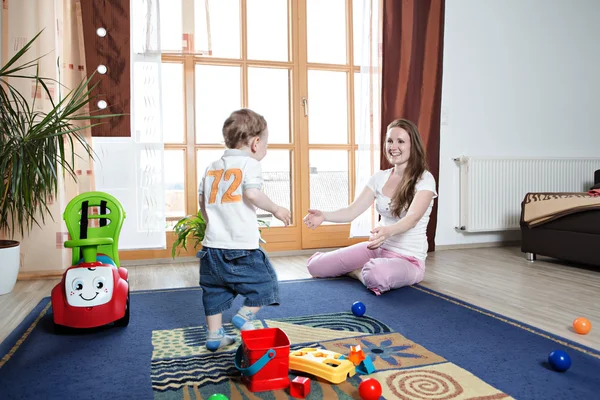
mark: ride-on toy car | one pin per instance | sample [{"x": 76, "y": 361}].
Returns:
[
  {"x": 95, "y": 290},
  {"x": 93, "y": 293}
]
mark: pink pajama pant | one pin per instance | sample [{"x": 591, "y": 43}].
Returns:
[{"x": 381, "y": 269}]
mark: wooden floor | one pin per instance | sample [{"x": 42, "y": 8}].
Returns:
[{"x": 546, "y": 294}]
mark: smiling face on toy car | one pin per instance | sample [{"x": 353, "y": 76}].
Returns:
[{"x": 89, "y": 287}]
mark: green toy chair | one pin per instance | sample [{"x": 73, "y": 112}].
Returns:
[{"x": 77, "y": 219}]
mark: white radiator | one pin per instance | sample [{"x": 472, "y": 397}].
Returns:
[{"x": 492, "y": 189}]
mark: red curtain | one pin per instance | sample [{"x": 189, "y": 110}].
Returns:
[
  {"x": 112, "y": 51},
  {"x": 412, "y": 50}
]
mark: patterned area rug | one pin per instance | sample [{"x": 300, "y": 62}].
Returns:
[
  {"x": 423, "y": 345},
  {"x": 182, "y": 368}
]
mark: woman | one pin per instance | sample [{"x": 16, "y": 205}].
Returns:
[{"x": 396, "y": 251}]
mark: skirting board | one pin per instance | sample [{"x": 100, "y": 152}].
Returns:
[
  {"x": 465, "y": 246},
  {"x": 33, "y": 275},
  {"x": 157, "y": 261},
  {"x": 57, "y": 274}
]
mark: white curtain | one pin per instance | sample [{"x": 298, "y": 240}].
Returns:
[
  {"x": 368, "y": 90},
  {"x": 132, "y": 168}
]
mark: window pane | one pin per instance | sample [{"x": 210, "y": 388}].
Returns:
[
  {"x": 218, "y": 94},
  {"x": 358, "y": 30},
  {"x": 267, "y": 29},
  {"x": 171, "y": 16},
  {"x": 326, "y": 31},
  {"x": 328, "y": 179},
  {"x": 361, "y": 97},
  {"x": 174, "y": 185},
  {"x": 365, "y": 106},
  {"x": 173, "y": 102},
  {"x": 221, "y": 35},
  {"x": 268, "y": 95},
  {"x": 327, "y": 107},
  {"x": 277, "y": 183}
]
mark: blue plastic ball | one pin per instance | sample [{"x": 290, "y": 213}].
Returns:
[
  {"x": 358, "y": 308},
  {"x": 102, "y": 258},
  {"x": 559, "y": 360}
]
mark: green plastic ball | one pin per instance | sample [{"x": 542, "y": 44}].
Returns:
[{"x": 218, "y": 396}]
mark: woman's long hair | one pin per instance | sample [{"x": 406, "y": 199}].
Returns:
[{"x": 417, "y": 164}]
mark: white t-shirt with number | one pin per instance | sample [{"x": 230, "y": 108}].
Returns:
[
  {"x": 232, "y": 220},
  {"x": 414, "y": 241}
]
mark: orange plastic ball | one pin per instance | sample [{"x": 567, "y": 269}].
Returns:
[{"x": 582, "y": 325}]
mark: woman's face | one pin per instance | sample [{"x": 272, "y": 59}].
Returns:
[{"x": 397, "y": 146}]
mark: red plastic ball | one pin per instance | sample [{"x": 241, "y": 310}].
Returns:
[{"x": 369, "y": 389}]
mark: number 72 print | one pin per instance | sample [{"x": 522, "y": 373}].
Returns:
[{"x": 228, "y": 196}]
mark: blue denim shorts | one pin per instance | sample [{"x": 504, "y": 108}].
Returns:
[{"x": 225, "y": 273}]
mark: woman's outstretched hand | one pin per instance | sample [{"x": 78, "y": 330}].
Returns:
[
  {"x": 378, "y": 236},
  {"x": 313, "y": 219}
]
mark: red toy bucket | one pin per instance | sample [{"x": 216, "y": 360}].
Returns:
[{"x": 263, "y": 358}]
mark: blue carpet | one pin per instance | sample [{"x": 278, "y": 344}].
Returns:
[{"x": 120, "y": 362}]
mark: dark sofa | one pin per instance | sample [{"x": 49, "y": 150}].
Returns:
[{"x": 574, "y": 236}]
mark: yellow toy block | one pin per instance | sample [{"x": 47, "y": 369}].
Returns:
[{"x": 322, "y": 363}]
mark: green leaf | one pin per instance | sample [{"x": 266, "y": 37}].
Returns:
[
  {"x": 38, "y": 145},
  {"x": 190, "y": 226}
]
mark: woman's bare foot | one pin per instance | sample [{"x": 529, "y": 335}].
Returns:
[{"x": 357, "y": 274}]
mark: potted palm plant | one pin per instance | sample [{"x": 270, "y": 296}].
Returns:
[
  {"x": 35, "y": 147},
  {"x": 189, "y": 227}
]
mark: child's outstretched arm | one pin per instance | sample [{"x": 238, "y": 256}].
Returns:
[
  {"x": 261, "y": 200},
  {"x": 314, "y": 218}
]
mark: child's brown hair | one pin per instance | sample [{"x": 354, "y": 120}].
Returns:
[{"x": 241, "y": 126}]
